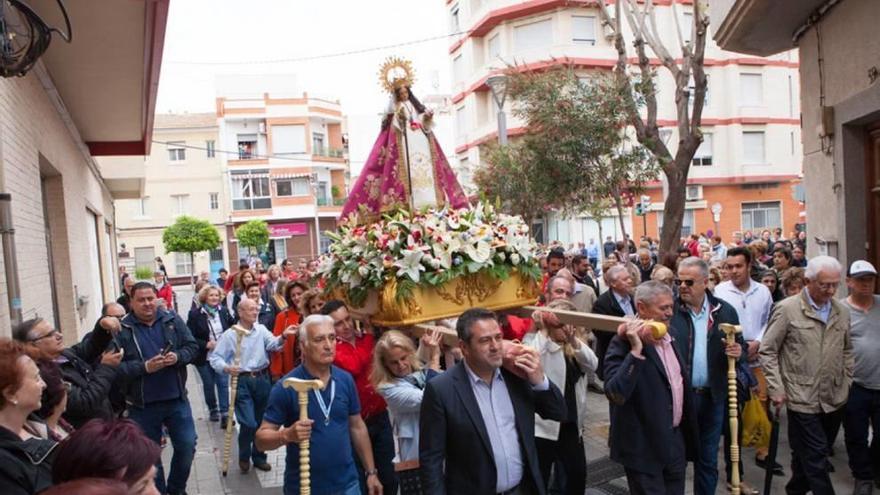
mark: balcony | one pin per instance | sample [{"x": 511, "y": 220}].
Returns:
[
  {"x": 759, "y": 27},
  {"x": 323, "y": 153},
  {"x": 331, "y": 201},
  {"x": 125, "y": 176}
]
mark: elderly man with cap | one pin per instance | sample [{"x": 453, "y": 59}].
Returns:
[
  {"x": 863, "y": 407},
  {"x": 807, "y": 357}
]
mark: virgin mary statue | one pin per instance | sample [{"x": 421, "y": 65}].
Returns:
[{"x": 406, "y": 167}]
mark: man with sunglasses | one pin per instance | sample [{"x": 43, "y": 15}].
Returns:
[
  {"x": 808, "y": 360},
  {"x": 704, "y": 351}
]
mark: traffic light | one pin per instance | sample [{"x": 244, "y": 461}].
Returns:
[{"x": 639, "y": 210}]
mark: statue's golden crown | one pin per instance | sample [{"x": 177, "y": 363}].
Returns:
[{"x": 396, "y": 73}]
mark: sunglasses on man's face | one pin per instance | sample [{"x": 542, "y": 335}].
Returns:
[{"x": 688, "y": 283}]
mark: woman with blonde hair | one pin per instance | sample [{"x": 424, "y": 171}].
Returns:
[
  {"x": 566, "y": 360},
  {"x": 207, "y": 321},
  {"x": 399, "y": 377},
  {"x": 311, "y": 302}
]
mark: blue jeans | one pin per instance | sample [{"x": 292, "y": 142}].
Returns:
[
  {"x": 176, "y": 415},
  {"x": 382, "y": 441},
  {"x": 216, "y": 386},
  {"x": 862, "y": 409},
  {"x": 251, "y": 400},
  {"x": 710, "y": 417}
]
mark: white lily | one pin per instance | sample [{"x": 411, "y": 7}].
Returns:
[
  {"x": 410, "y": 264},
  {"x": 445, "y": 249},
  {"x": 479, "y": 252}
]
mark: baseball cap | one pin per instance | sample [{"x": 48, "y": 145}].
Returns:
[{"x": 860, "y": 268}]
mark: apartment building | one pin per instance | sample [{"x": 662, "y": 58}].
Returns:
[
  {"x": 285, "y": 161},
  {"x": 750, "y": 161},
  {"x": 83, "y": 101},
  {"x": 183, "y": 176}
]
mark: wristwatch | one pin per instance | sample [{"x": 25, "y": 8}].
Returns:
[{"x": 370, "y": 472}]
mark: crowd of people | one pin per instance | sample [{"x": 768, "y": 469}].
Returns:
[{"x": 493, "y": 403}]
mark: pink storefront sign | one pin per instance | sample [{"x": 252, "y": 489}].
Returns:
[{"x": 288, "y": 229}]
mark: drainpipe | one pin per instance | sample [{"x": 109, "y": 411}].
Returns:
[{"x": 10, "y": 263}]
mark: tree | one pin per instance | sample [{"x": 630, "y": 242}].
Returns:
[
  {"x": 511, "y": 178},
  {"x": 190, "y": 235},
  {"x": 576, "y": 155},
  {"x": 686, "y": 70},
  {"x": 253, "y": 234}
]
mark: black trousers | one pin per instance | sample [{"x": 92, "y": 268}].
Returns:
[
  {"x": 809, "y": 436},
  {"x": 670, "y": 480},
  {"x": 603, "y": 340},
  {"x": 862, "y": 410},
  {"x": 567, "y": 453}
]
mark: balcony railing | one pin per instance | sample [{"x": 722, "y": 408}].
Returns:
[
  {"x": 329, "y": 152},
  {"x": 331, "y": 201}
]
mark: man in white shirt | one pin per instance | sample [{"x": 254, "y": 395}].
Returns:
[{"x": 752, "y": 302}]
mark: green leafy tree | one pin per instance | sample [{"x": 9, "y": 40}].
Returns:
[
  {"x": 576, "y": 155},
  {"x": 190, "y": 235},
  {"x": 253, "y": 234},
  {"x": 513, "y": 180}
]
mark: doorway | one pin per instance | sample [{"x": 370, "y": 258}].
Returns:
[{"x": 872, "y": 170}]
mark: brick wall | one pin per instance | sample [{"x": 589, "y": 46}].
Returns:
[{"x": 36, "y": 142}]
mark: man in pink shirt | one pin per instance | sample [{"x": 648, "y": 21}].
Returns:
[{"x": 653, "y": 425}]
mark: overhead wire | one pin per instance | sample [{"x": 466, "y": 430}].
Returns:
[
  {"x": 316, "y": 57},
  {"x": 251, "y": 156}
]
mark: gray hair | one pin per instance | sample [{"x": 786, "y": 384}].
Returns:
[
  {"x": 822, "y": 264},
  {"x": 242, "y": 301},
  {"x": 648, "y": 291},
  {"x": 612, "y": 273},
  {"x": 642, "y": 251},
  {"x": 312, "y": 321},
  {"x": 694, "y": 262}
]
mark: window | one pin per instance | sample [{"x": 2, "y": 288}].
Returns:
[
  {"x": 457, "y": 69},
  {"x": 535, "y": 35},
  {"x": 325, "y": 243},
  {"x": 687, "y": 29},
  {"x": 583, "y": 30},
  {"x": 750, "y": 90},
  {"x": 250, "y": 190},
  {"x": 753, "y": 148},
  {"x": 758, "y": 216},
  {"x": 454, "y": 21},
  {"x": 323, "y": 200},
  {"x": 210, "y": 148},
  {"x": 179, "y": 203},
  {"x": 298, "y": 186},
  {"x": 687, "y": 223},
  {"x": 494, "y": 48},
  {"x": 288, "y": 139},
  {"x": 460, "y": 121},
  {"x": 318, "y": 144},
  {"x": 144, "y": 256},
  {"x": 214, "y": 201},
  {"x": 176, "y": 151},
  {"x": 703, "y": 156},
  {"x": 247, "y": 146},
  {"x": 692, "y": 87},
  {"x": 183, "y": 264},
  {"x": 141, "y": 207}
]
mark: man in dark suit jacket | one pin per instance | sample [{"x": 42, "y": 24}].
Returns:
[
  {"x": 620, "y": 288},
  {"x": 653, "y": 427},
  {"x": 703, "y": 350},
  {"x": 479, "y": 419}
]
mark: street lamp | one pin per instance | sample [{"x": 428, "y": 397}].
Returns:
[
  {"x": 498, "y": 84},
  {"x": 314, "y": 179}
]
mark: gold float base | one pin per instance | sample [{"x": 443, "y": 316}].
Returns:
[{"x": 444, "y": 301}]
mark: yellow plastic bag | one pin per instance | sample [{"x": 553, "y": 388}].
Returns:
[{"x": 756, "y": 425}]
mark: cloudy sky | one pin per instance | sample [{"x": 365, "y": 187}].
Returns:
[{"x": 207, "y": 38}]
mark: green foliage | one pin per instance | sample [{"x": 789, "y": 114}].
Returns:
[
  {"x": 253, "y": 234},
  {"x": 576, "y": 155},
  {"x": 143, "y": 273},
  {"x": 190, "y": 235}
]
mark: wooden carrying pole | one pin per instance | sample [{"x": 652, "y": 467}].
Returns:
[
  {"x": 730, "y": 332},
  {"x": 240, "y": 333},
  {"x": 302, "y": 388}
]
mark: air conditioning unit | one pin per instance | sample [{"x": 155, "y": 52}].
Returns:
[
  {"x": 694, "y": 193},
  {"x": 262, "y": 128}
]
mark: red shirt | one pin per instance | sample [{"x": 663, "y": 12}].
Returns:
[
  {"x": 358, "y": 360},
  {"x": 286, "y": 359}
]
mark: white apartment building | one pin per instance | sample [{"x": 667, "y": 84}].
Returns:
[
  {"x": 750, "y": 159},
  {"x": 183, "y": 176},
  {"x": 285, "y": 161}
]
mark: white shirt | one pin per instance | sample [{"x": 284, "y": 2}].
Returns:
[{"x": 752, "y": 306}]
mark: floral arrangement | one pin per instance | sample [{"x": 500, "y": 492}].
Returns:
[{"x": 429, "y": 247}]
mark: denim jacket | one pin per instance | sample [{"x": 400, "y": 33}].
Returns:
[{"x": 132, "y": 368}]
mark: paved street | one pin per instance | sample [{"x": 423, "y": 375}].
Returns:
[{"x": 603, "y": 476}]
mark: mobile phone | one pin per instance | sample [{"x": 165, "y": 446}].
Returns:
[{"x": 166, "y": 349}]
